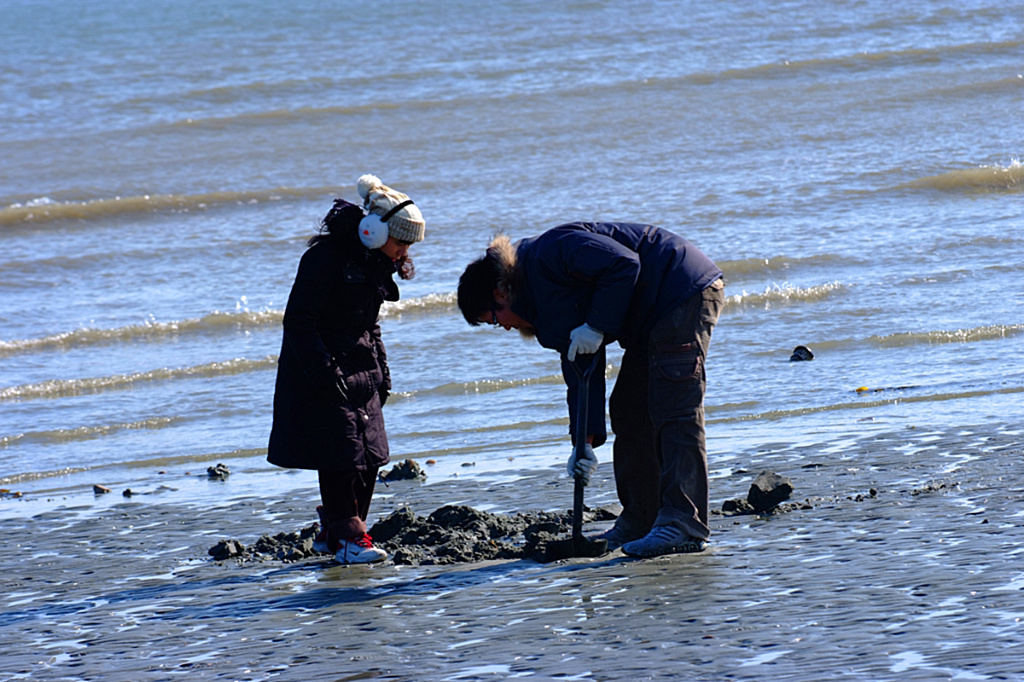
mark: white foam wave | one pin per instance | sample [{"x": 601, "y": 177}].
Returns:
[
  {"x": 425, "y": 304},
  {"x": 783, "y": 293},
  {"x": 44, "y": 210},
  {"x": 58, "y": 388},
  {"x": 148, "y": 329},
  {"x": 986, "y": 333},
  {"x": 211, "y": 322}
]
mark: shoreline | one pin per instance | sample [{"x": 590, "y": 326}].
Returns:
[{"x": 920, "y": 581}]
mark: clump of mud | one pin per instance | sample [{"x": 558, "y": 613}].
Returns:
[
  {"x": 409, "y": 470},
  {"x": 452, "y": 534},
  {"x": 287, "y": 547}
]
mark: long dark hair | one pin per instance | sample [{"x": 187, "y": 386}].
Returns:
[{"x": 342, "y": 223}]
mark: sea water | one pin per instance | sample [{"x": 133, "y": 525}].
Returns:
[{"x": 853, "y": 167}]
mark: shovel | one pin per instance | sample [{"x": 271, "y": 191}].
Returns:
[{"x": 577, "y": 545}]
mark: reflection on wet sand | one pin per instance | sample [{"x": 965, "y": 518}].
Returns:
[{"x": 920, "y": 579}]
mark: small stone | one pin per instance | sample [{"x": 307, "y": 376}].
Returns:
[
  {"x": 768, "y": 490},
  {"x": 737, "y": 506},
  {"x": 225, "y": 549},
  {"x": 801, "y": 354},
  {"x": 127, "y": 492},
  {"x": 218, "y": 473}
]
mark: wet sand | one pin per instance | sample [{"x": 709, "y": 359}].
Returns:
[{"x": 921, "y": 580}]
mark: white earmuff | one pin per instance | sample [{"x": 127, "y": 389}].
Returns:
[{"x": 373, "y": 231}]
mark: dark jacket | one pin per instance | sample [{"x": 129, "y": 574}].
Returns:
[
  {"x": 331, "y": 332},
  {"x": 620, "y": 278}
]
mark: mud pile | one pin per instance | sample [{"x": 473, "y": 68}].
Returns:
[{"x": 452, "y": 534}]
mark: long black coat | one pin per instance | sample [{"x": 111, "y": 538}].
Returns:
[{"x": 331, "y": 331}]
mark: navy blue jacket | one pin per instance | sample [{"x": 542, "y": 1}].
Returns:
[{"x": 619, "y": 278}]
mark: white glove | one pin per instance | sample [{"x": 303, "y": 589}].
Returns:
[
  {"x": 584, "y": 339},
  {"x": 582, "y": 463}
]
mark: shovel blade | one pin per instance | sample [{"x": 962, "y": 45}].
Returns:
[{"x": 578, "y": 546}]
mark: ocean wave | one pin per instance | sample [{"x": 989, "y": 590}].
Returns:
[
  {"x": 785, "y": 293},
  {"x": 149, "y": 464},
  {"x": 980, "y": 179},
  {"x": 1009, "y": 84},
  {"x": 212, "y": 322},
  {"x": 489, "y": 385},
  {"x": 763, "y": 266},
  {"x": 897, "y": 396},
  {"x": 45, "y": 210},
  {"x": 986, "y": 333},
  {"x": 40, "y": 475},
  {"x": 83, "y": 433},
  {"x": 905, "y": 339},
  {"x": 494, "y": 385},
  {"x": 421, "y": 304},
  {"x": 856, "y": 62},
  {"x": 59, "y": 388}
]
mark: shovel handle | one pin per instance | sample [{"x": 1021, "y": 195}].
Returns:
[
  {"x": 582, "y": 407},
  {"x": 583, "y": 395},
  {"x": 577, "y": 509}
]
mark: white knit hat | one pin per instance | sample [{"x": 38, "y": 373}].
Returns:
[{"x": 406, "y": 224}]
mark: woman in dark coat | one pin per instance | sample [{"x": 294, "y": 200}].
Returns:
[{"x": 333, "y": 377}]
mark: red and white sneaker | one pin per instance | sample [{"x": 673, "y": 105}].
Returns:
[{"x": 359, "y": 550}]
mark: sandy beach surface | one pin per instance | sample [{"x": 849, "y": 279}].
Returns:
[{"x": 905, "y": 565}]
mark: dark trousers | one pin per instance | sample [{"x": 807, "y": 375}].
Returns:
[
  {"x": 657, "y": 414},
  {"x": 346, "y": 499}
]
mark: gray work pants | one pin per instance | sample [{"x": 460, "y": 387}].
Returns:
[{"x": 657, "y": 414}]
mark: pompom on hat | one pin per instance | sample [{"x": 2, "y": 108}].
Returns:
[{"x": 406, "y": 224}]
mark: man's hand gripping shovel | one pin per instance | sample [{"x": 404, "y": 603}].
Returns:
[{"x": 577, "y": 545}]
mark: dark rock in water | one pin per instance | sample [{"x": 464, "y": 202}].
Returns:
[
  {"x": 218, "y": 473},
  {"x": 406, "y": 471},
  {"x": 766, "y": 494},
  {"x": 225, "y": 549},
  {"x": 768, "y": 490},
  {"x": 801, "y": 353},
  {"x": 737, "y": 506}
]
